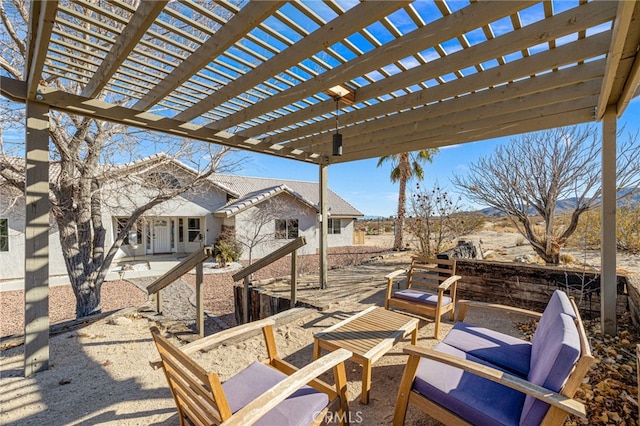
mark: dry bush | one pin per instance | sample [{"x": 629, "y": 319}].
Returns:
[
  {"x": 587, "y": 235},
  {"x": 567, "y": 259},
  {"x": 521, "y": 241}
]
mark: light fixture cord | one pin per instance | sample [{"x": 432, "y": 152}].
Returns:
[{"x": 337, "y": 99}]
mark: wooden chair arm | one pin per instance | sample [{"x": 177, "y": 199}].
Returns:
[
  {"x": 219, "y": 337},
  {"x": 555, "y": 399},
  {"x": 465, "y": 304},
  {"x": 390, "y": 276},
  {"x": 260, "y": 406},
  {"x": 444, "y": 285}
]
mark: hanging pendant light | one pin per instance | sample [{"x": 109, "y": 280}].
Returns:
[{"x": 337, "y": 137}]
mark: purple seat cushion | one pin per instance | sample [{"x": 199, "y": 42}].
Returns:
[
  {"x": 502, "y": 350},
  {"x": 421, "y": 297},
  {"x": 552, "y": 364},
  {"x": 475, "y": 399},
  {"x": 298, "y": 409}
]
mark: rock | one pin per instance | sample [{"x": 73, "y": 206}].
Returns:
[
  {"x": 464, "y": 250},
  {"x": 119, "y": 321}
]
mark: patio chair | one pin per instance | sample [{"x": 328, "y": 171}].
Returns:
[
  {"x": 264, "y": 393},
  {"x": 476, "y": 375},
  {"x": 427, "y": 281}
]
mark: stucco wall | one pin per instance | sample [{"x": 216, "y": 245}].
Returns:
[
  {"x": 250, "y": 226},
  {"x": 12, "y": 261}
]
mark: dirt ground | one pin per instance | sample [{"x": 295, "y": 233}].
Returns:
[{"x": 100, "y": 374}]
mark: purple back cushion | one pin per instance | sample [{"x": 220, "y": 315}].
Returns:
[
  {"x": 300, "y": 408},
  {"x": 559, "y": 303},
  {"x": 558, "y": 350},
  {"x": 421, "y": 297}
]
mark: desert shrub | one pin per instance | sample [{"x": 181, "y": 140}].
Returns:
[
  {"x": 587, "y": 234},
  {"x": 628, "y": 228},
  {"x": 567, "y": 258},
  {"x": 226, "y": 248},
  {"x": 467, "y": 222},
  {"x": 521, "y": 240}
]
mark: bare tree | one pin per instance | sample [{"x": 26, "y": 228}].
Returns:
[
  {"x": 526, "y": 178},
  {"x": 433, "y": 219},
  {"x": 80, "y": 147},
  {"x": 260, "y": 229}
]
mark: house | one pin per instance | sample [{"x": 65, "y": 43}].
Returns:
[{"x": 262, "y": 213}]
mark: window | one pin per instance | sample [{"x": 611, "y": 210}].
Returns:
[
  {"x": 4, "y": 234},
  {"x": 120, "y": 223},
  {"x": 193, "y": 229},
  {"x": 286, "y": 229},
  {"x": 334, "y": 226},
  {"x": 180, "y": 230}
]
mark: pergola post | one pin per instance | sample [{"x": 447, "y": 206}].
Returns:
[
  {"x": 608, "y": 279},
  {"x": 36, "y": 275},
  {"x": 324, "y": 258}
]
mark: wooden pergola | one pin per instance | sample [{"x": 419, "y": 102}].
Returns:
[{"x": 280, "y": 78}]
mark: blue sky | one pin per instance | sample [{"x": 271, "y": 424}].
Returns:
[{"x": 369, "y": 188}]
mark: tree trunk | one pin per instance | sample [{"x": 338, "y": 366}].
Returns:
[
  {"x": 88, "y": 300},
  {"x": 404, "y": 166}
]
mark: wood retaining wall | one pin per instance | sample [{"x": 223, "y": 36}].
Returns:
[{"x": 522, "y": 285}]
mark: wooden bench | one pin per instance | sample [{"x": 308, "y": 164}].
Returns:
[
  {"x": 268, "y": 392},
  {"x": 480, "y": 376}
]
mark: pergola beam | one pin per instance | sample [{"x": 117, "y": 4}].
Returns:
[
  {"x": 439, "y": 31},
  {"x": 43, "y": 13},
  {"x": 364, "y": 13},
  {"x": 237, "y": 27},
  {"x": 492, "y": 112},
  {"x": 621, "y": 27},
  {"x": 126, "y": 41},
  {"x": 471, "y": 133},
  {"x": 100, "y": 110}
]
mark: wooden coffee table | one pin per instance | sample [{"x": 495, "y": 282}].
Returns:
[{"x": 369, "y": 335}]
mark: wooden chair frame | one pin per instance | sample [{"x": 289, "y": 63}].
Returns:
[
  {"x": 423, "y": 277},
  {"x": 199, "y": 395},
  {"x": 561, "y": 404}
]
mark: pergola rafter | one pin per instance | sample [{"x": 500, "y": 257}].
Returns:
[
  {"x": 260, "y": 75},
  {"x": 263, "y": 76}
]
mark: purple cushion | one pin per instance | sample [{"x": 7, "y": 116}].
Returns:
[
  {"x": 477, "y": 400},
  {"x": 421, "y": 297},
  {"x": 504, "y": 351},
  {"x": 551, "y": 365},
  {"x": 298, "y": 409},
  {"x": 559, "y": 303}
]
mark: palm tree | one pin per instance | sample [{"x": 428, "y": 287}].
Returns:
[{"x": 405, "y": 165}]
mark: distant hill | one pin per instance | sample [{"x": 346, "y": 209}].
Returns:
[{"x": 567, "y": 205}]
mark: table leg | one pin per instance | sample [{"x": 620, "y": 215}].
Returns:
[
  {"x": 414, "y": 336},
  {"x": 366, "y": 381},
  {"x": 316, "y": 349}
]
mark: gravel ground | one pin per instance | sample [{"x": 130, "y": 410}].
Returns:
[{"x": 218, "y": 292}]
